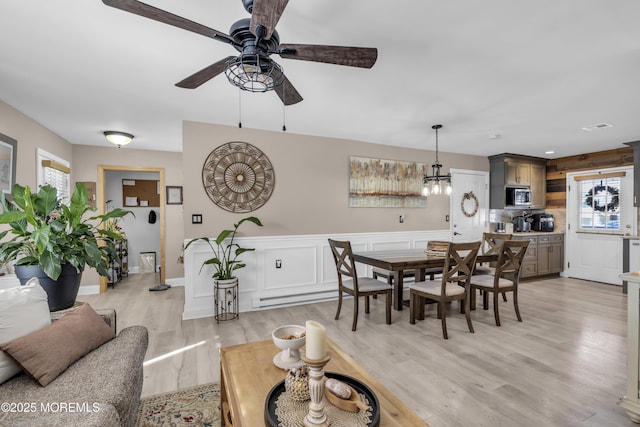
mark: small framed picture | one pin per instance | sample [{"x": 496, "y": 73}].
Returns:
[{"x": 174, "y": 195}]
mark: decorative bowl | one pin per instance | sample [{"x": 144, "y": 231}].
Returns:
[{"x": 289, "y": 338}]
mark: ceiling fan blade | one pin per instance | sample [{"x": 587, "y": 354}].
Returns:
[
  {"x": 204, "y": 75},
  {"x": 363, "y": 57},
  {"x": 267, "y": 13},
  {"x": 142, "y": 9},
  {"x": 287, "y": 93}
]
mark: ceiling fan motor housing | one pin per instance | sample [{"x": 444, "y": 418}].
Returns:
[
  {"x": 248, "y": 5},
  {"x": 246, "y": 40}
]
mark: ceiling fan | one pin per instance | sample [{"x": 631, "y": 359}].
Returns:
[{"x": 256, "y": 39}]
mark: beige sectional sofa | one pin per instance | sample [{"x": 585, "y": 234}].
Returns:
[{"x": 102, "y": 388}]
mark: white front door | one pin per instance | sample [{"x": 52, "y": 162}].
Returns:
[
  {"x": 469, "y": 205},
  {"x": 599, "y": 211}
]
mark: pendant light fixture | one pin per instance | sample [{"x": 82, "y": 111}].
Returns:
[{"x": 433, "y": 183}]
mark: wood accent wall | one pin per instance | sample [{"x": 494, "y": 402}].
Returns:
[{"x": 557, "y": 170}]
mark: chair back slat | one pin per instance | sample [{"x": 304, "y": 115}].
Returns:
[
  {"x": 492, "y": 242},
  {"x": 459, "y": 263},
  {"x": 510, "y": 258},
  {"x": 342, "y": 256}
]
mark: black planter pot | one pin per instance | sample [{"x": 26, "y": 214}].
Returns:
[{"x": 61, "y": 293}]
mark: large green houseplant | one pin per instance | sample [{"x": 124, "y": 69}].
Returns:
[
  {"x": 53, "y": 241},
  {"x": 225, "y": 251}
]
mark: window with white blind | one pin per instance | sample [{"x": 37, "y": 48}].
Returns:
[
  {"x": 600, "y": 202},
  {"x": 54, "y": 171}
]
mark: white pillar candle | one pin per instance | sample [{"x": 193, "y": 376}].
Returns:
[{"x": 316, "y": 340}]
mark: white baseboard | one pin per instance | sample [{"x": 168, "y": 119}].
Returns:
[
  {"x": 89, "y": 290},
  {"x": 175, "y": 281}
]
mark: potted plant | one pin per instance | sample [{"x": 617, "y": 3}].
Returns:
[
  {"x": 225, "y": 253},
  {"x": 225, "y": 262},
  {"x": 53, "y": 241}
]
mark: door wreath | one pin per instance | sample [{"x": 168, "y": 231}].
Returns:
[
  {"x": 474, "y": 199},
  {"x": 593, "y": 195}
]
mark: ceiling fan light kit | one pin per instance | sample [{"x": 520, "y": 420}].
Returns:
[
  {"x": 256, "y": 40},
  {"x": 254, "y": 73},
  {"x": 118, "y": 138},
  {"x": 433, "y": 183}
]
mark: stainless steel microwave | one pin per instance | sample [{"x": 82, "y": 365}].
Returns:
[{"x": 518, "y": 196}]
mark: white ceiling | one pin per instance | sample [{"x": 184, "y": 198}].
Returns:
[{"x": 533, "y": 73}]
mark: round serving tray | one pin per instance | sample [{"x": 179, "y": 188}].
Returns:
[{"x": 271, "y": 419}]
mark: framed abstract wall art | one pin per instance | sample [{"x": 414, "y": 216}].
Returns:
[{"x": 380, "y": 183}]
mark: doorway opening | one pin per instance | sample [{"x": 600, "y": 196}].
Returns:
[{"x": 103, "y": 172}]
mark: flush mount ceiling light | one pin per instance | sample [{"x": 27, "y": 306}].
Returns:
[
  {"x": 433, "y": 183},
  {"x": 118, "y": 138}
]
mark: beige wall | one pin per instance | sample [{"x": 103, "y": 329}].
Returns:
[
  {"x": 30, "y": 136},
  {"x": 311, "y": 190},
  {"x": 86, "y": 159}
]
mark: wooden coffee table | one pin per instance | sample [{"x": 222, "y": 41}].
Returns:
[{"x": 247, "y": 374}]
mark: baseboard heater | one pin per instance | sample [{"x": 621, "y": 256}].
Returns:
[{"x": 283, "y": 300}]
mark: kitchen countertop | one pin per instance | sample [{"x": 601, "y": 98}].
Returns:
[{"x": 536, "y": 233}]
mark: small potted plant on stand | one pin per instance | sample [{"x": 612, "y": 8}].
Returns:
[
  {"x": 53, "y": 241},
  {"x": 225, "y": 262}
]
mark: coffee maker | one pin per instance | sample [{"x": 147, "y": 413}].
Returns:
[{"x": 542, "y": 222}]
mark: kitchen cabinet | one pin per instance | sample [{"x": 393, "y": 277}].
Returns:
[
  {"x": 538, "y": 185},
  {"x": 545, "y": 254},
  {"x": 550, "y": 254},
  {"x": 507, "y": 170},
  {"x": 530, "y": 262},
  {"x": 517, "y": 172}
]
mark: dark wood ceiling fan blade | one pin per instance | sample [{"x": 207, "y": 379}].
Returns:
[
  {"x": 267, "y": 13},
  {"x": 363, "y": 57},
  {"x": 147, "y": 11},
  {"x": 287, "y": 92},
  {"x": 204, "y": 75}
]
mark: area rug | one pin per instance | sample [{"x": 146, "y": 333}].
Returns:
[{"x": 194, "y": 406}]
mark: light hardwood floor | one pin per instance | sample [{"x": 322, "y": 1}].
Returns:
[{"x": 565, "y": 365}]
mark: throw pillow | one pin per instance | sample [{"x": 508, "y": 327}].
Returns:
[
  {"x": 47, "y": 353},
  {"x": 23, "y": 309}
]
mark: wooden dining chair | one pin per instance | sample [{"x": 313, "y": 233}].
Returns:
[
  {"x": 491, "y": 245},
  {"x": 350, "y": 283},
  {"x": 458, "y": 267},
  {"x": 505, "y": 278}
]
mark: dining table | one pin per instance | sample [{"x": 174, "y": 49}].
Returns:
[{"x": 399, "y": 260}]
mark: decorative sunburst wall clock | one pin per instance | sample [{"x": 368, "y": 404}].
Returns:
[{"x": 238, "y": 177}]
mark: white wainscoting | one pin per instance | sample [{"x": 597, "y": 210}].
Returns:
[{"x": 307, "y": 273}]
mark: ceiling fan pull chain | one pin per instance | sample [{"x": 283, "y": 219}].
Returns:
[
  {"x": 284, "y": 117},
  {"x": 239, "y": 108}
]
